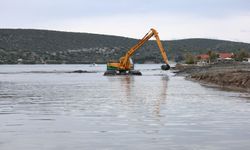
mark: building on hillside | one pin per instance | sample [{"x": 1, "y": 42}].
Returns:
[
  {"x": 19, "y": 60},
  {"x": 203, "y": 59},
  {"x": 225, "y": 56}
]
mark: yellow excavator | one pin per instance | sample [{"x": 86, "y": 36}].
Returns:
[{"x": 125, "y": 65}]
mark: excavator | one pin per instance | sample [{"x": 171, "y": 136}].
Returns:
[{"x": 125, "y": 64}]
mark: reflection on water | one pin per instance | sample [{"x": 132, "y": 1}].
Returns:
[
  {"x": 152, "y": 95},
  {"x": 92, "y": 111}
]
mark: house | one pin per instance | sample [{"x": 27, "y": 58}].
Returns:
[
  {"x": 19, "y": 60},
  {"x": 203, "y": 59},
  {"x": 225, "y": 56}
]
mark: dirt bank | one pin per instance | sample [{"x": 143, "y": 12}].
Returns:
[{"x": 230, "y": 75}]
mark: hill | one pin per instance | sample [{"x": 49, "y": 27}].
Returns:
[{"x": 44, "y": 46}]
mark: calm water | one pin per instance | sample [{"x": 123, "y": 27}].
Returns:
[{"x": 42, "y": 108}]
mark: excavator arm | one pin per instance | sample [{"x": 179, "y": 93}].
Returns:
[{"x": 124, "y": 61}]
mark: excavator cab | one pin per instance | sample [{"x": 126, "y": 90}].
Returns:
[{"x": 131, "y": 63}]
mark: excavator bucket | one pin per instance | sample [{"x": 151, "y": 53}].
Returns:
[{"x": 165, "y": 67}]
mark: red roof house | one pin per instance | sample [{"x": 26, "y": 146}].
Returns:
[
  {"x": 203, "y": 56},
  {"x": 226, "y": 55}
]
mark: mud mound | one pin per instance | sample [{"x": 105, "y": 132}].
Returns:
[
  {"x": 232, "y": 75},
  {"x": 237, "y": 79}
]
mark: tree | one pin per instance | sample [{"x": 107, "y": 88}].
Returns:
[
  {"x": 189, "y": 59},
  {"x": 212, "y": 56},
  {"x": 241, "y": 55}
]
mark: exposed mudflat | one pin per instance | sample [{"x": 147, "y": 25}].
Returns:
[{"x": 230, "y": 75}]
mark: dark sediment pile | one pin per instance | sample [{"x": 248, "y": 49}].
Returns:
[
  {"x": 238, "y": 79},
  {"x": 231, "y": 75}
]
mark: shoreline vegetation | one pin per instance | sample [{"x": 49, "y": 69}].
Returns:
[{"x": 227, "y": 75}]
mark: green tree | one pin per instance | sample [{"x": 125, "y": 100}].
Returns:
[
  {"x": 189, "y": 59},
  {"x": 241, "y": 55},
  {"x": 212, "y": 56}
]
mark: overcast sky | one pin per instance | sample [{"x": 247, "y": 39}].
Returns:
[{"x": 174, "y": 19}]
